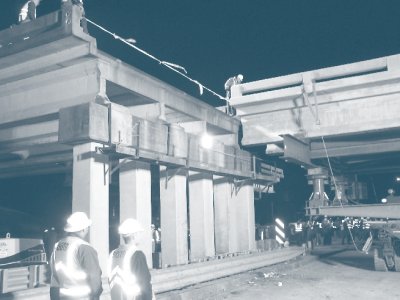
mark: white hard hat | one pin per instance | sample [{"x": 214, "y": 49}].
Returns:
[
  {"x": 130, "y": 226},
  {"x": 77, "y": 222}
]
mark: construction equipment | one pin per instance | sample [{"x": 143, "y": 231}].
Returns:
[
  {"x": 384, "y": 229},
  {"x": 21, "y": 263}
]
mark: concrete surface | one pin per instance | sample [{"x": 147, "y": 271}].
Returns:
[{"x": 331, "y": 272}]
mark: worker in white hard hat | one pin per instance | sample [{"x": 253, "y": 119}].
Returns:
[
  {"x": 128, "y": 273},
  {"x": 75, "y": 269},
  {"x": 234, "y": 80},
  {"x": 28, "y": 11}
]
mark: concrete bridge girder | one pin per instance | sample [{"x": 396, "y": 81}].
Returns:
[{"x": 353, "y": 107}]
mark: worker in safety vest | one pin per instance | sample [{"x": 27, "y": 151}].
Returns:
[
  {"x": 128, "y": 273},
  {"x": 298, "y": 228},
  {"x": 28, "y": 11},
  {"x": 74, "y": 263}
]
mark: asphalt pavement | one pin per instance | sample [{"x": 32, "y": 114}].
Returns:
[{"x": 328, "y": 272}]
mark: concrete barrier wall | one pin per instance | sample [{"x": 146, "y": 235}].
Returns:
[
  {"x": 173, "y": 278},
  {"x": 179, "y": 277}
]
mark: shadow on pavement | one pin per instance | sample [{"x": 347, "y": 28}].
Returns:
[{"x": 345, "y": 255}]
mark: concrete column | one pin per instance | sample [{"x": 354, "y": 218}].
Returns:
[
  {"x": 90, "y": 195},
  {"x": 222, "y": 196},
  {"x": 233, "y": 221},
  {"x": 174, "y": 229},
  {"x": 245, "y": 219},
  {"x": 201, "y": 215},
  {"x": 135, "y": 199}
]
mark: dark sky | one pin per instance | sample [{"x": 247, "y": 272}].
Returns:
[{"x": 215, "y": 39}]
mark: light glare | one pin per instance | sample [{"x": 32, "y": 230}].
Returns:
[{"x": 206, "y": 141}]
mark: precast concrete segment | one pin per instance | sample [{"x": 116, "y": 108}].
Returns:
[
  {"x": 343, "y": 98},
  {"x": 40, "y": 95}
]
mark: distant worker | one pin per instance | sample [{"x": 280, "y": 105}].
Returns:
[
  {"x": 79, "y": 3},
  {"x": 298, "y": 231},
  {"x": 156, "y": 239},
  {"x": 228, "y": 85},
  {"x": 345, "y": 231},
  {"x": 391, "y": 197},
  {"x": 76, "y": 272},
  {"x": 49, "y": 240},
  {"x": 327, "y": 231},
  {"x": 128, "y": 273},
  {"x": 28, "y": 11}
]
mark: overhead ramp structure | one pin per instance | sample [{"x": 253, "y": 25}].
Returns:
[
  {"x": 353, "y": 107},
  {"x": 338, "y": 123}
]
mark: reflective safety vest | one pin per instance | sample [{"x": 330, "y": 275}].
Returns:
[
  {"x": 123, "y": 283},
  {"x": 298, "y": 227},
  {"x": 72, "y": 279},
  {"x": 366, "y": 225}
]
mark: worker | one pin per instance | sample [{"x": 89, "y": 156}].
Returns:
[
  {"x": 345, "y": 231},
  {"x": 79, "y": 3},
  {"x": 28, "y": 11},
  {"x": 327, "y": 231},
  {"x": 228, "y": 85},
  {"x": 74, "y": 263},
  {"x": 156, "y": 239},
  {"x": 298, "y": 228},
  {"x": 309, "y": 235},
  {"x": 391, "y": 197},
  {"x": 128, "y": 273}
]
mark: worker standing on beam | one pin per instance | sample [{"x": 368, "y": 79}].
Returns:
[
  {"x": 28, "y": 11},
  {"x": 79, "y": 3},
  {"x": 75, "y": 268},
  {"x": 128, "y": 274},
  {"x": 228, "y": 85}
]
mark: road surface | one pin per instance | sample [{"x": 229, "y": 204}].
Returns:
[{"x": 329, "y": 273}]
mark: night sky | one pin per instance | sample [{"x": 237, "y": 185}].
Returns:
[{"x": 216, "y": 39}]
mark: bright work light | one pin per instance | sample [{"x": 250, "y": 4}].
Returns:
[{"x": 206, "y": 141}]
